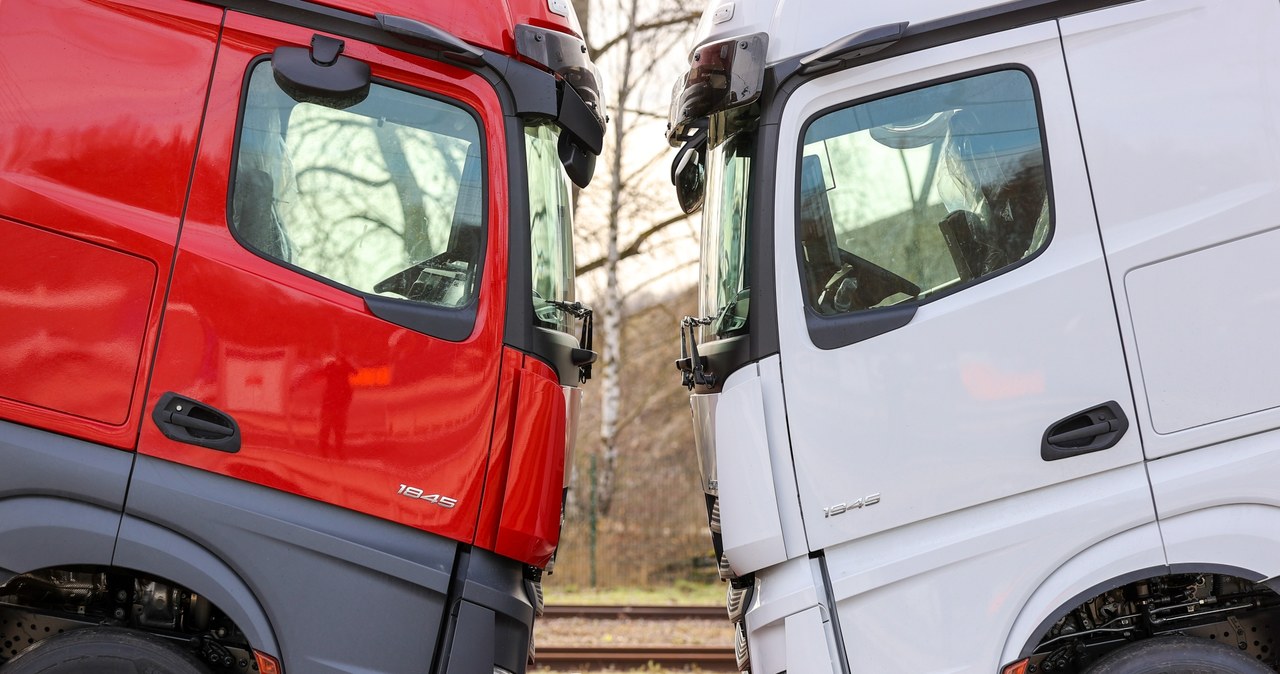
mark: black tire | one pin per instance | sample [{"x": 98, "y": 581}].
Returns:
[
  {"x": 1177, "y": 655},
  {"x": 104, "y": 650}
]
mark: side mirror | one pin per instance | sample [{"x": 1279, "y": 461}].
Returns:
[
  {"x": 579, "y": 163},
  {"x": 321, "y": 75},
  {"x": 689, "y": 172},
  {"x": 722, "y": 76}
]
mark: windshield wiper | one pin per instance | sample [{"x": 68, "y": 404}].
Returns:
[
  {"x": 582, "y": 357},
  {"x": 693, "y": 367}
]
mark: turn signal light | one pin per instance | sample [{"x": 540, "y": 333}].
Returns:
[
  {"x": 267, "y": 664},
  {"x": 1019, "y": 667}
]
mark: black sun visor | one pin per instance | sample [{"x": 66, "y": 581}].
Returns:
[
  {"x": 722, "y": 75},
  {"x": 566, "y": 56}
]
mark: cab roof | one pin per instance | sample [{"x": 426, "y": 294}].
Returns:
[
  {"x": 801, "y": 26},
  {"x": 484, "y": 23}
]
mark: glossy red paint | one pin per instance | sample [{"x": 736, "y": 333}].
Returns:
[
  {"x": 333, "y": 403},
  {"x": 487, "y": 24},
  {"x": 75, "y": 313},
  {"x": 529, "y": 522},
  {"x": 496, "y": 473},
  {"x": 101, "y": 153}
]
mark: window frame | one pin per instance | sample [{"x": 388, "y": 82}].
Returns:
[
  {"x": 835, "y": 331},
  {"x": 454, "y": 324}
]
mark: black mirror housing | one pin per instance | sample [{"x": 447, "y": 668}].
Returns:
[
  {"x": 321, "y": 75},
  {"x": 689, "y": 172},
  {"x": 579, "y": 162},
  {"x": 722, "y": 75}
]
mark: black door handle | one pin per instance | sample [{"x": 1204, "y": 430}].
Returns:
[
  {"x": 185, "y": 420},
  {"x": 193, "y": 424},
  {"x": 1092, "y": 430}
]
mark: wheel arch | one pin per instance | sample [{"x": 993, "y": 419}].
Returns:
[
  {"x": 1106, "y": 564},
  {"x": 1191, "y": 542},
  {"x": 155, "y": 550},
  {"x": 1239, "y": 536},
  {"x": 41, "y": 531}
]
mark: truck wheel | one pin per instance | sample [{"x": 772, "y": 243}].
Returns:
[
  {"x": 103, "y": 650},
  {"x": 1176, "y": 655}
]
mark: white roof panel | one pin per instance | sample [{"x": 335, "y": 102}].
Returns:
[{"x": 801, "y": 26}]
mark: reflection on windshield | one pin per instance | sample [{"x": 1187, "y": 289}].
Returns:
[
  {"x": 724, "y": 286},
  {"x": 551, "y": 228}
]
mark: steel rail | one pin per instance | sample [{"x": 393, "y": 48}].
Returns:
[
  {"x": 636, "y": 612},
  {"x": 712, "y": 658}
]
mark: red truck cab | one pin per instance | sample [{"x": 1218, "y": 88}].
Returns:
[{"x": 290, "y": 355}]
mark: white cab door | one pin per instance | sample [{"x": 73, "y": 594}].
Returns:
[{"x": 918, "y": 402}]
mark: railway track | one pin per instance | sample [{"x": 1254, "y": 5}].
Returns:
[
  {"x": 581, "y": 658},
  {"x": 635, "y": 612},
  {"x": 709, "y": 658}
]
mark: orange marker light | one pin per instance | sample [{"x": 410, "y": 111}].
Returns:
[
  {"x": 1019, "y": 667},
  {"x": 267, "y": 664}
]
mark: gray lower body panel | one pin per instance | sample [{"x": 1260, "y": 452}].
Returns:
[
  {"x": 344, "y": 593},
  {"x": 60, "y": 499},
  {"x": 326, "y": 590}
]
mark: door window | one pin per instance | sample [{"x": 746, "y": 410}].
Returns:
[
  {"x": 384, "y": 197},
  {"x": 912, "y": 196}
]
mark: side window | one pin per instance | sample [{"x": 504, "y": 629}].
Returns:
[
  {"x": 725, "y": 291},
  {"x": 908, "y": 197},
  {"x": 385, "y": 197},
  {"x": 551, "y": 227}
]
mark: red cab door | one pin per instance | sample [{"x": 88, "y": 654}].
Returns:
[
  {"x": 100, "y": 108},
  {"x": 336, "y": 302}
]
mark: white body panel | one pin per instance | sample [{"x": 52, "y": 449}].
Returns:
[
  {"x": 1136, "y": 551},
  {"x": 1221, "y": 505},
  {"x": 959, "y": 582},
  {"x": 1160, "y": 290},
  {"x": 1183, "y": 153},
  {"x": 944, "y": 417},
  {"x": 760, "y": 513},
  {"x": 801, "y": 26},
  {"x": 784, "y": 476},
  {"x": 949, "y": 411},
  {"x": 748, "y": 502},
  {"x": 777, "y": 641}
]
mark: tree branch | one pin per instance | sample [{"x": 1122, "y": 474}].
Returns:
[
  {"x": 634, "y": 247},
  {"x": 657, "y": 24}
]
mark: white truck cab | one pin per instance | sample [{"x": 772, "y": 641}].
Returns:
[{"x": 986, "y": 377}]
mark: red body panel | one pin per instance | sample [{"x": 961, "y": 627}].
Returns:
[
  {"x": 88, "y": 305},
  {"x": 333, "y": 402},
  {"x": 495, "y": 481},
  {"x": 487, "y": 24},
  {"x": 99, "y": 164},
  {"x": 521, "y": 513},
  {"x": 100, "y": 152}
]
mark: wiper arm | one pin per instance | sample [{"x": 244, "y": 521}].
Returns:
[
  {"x": 729, "y": 311},
  {"x": 582, "y": 357},
  {"x": 692, "y": 366}
]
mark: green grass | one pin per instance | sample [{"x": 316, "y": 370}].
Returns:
[{"x": 682, "y": 593}]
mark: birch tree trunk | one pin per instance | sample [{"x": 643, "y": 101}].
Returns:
[{"x": 610, "y": 386}]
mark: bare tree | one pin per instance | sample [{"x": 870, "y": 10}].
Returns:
[{"x": 632, "y": 56}]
